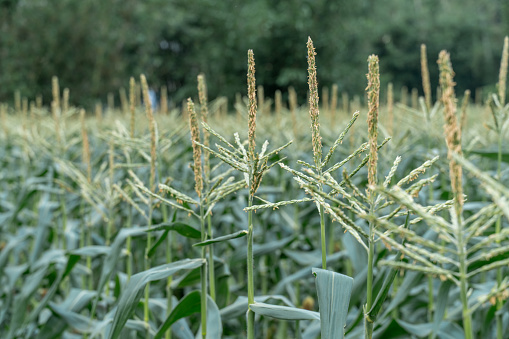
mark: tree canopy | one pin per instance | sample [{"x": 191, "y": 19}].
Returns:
[{"x": 94, "y": 46}]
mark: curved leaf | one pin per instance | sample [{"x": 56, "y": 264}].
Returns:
[
  {"x": 188, "y": 305},
  {"x": 91, "y": 251},
  {"x": 135, "y": 287},
  {"x": 181, "y": 228},
  {"x": 184, "y": 230},
  {"x": 235, "y": 235},
  {"x": 284, "y": 312}
]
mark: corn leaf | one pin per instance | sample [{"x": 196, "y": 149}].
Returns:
[
  {"x": 134, "y": 290},
  {"x": 334, "y": 292},
  {"x": 283, "y": 312},
  {"x": 235, "y": 235}
]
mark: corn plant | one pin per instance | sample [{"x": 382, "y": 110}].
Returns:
[
  {"x": 464, "y": 251},
  {"x": 95, "y": 209},
  {"x": 363, "y": 205}
]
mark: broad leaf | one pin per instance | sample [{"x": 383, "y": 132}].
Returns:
[
  {"x": 284, "y": 312},
  {"x": 334, "y": 292},
  {"x": 135, "y": 287},
  {"x": 188, "y": 305}
]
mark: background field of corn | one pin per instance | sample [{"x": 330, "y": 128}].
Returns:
[{"x": 115, "y": 222}]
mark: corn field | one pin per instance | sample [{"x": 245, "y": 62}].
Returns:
[{"x": 321, "y": 217}]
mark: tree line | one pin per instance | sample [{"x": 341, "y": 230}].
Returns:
[{"x": 94, "y": 46}]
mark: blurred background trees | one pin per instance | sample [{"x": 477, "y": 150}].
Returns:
[{"x": 94, "y": 46}]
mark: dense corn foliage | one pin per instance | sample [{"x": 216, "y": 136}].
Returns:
[{"x": 379, "y": 221}]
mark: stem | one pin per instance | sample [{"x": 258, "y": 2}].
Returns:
[
  {"x": 109, "y": 230},
  {"x": 169, "y": 305},
  {"x": 322, "y": 233},
  {"x": 212, "y": 278},
  {"x": 467, "y": 319},
  {"x": 64, "y": 220},
  {"x": 265, "y": 287},
  {"x": 368, "y": 324},
  {"x": 147, "y": 266},
  {"x": 297, "y": 330},
  {"x": 203, "y": 277},
  {"x": 395, "y": 287},
  {"x": 331, "y": 239},
  {"x": 250, "y": 282},
  {"x": 430, "y": 303},
  {"x": 164, "y": 211},
  {"x": 109, "y": 227},
  {"x": 430, "y": 299},
  {"x": 129, "y": 268},
  {"x": 89, "y": 259},
  {"x": 82, "y": 239},
  {"x": 498, "y": 228}
]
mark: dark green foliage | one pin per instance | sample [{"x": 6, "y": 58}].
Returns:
[{"x": 94, "y": 46}]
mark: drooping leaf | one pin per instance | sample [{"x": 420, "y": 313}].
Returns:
[
  {"x": 240, "y": 305},
  {"x": 183, "y": 229},
  {"x": 57, "y": 323},
  {"x": 157, "y": 243},
  {"x": 71, "y": 262},
  {"x": 11, "y": 244},
  {"x": 135, "y": 287},
  {"x": 189, "y": 304},
  {"x": 21, "y": 300},
  {"x": 91, "y": 251},
  {"x": 284, "y": 312},
  {"x": 179, "y": 227},
  {"x": 235, "y": 235}
]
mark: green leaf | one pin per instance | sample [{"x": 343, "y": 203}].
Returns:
[
  {"x": 411, "y": 280},
  {"x": 491, "y": 155},
  {"x": 389, "y": 279},
  {"x": 284, "y": 312},
  {"x": 77, "y": 321},
  {"x": 57, "y": 323},
  {"x": 334, "y": 292},
  {"x": 181, "y": 228},
  {"x": 91, "y": 251},
  {"x": 135, "y": 287},
  {"x": 20, "y": 317},
  {"x": 194, "y": 276},
  {"x": 266, "y": 248},
  {"x": 21, "y": 300},
  {"x": 158, "y": 242},
  {"x": 441, "y": 305},
  {"x": 44, "y": 222},
  {"x": 188, "y": 305},
  {"x": 240, "y": 305},
  {"x": 421, "y": 330},
  {"x": 12, "y": 244},
  {"x": 111, "y": 260},
  {"x": 304, "y": 272},
  {"x": 214, "y": 324},
  {"x": 71, "y": 262},
  {"x": 235, "y": 235}
]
